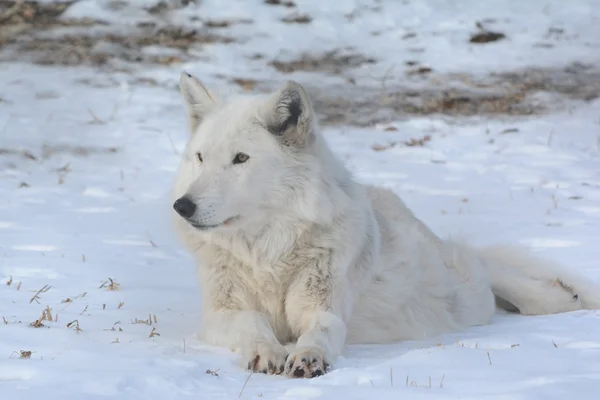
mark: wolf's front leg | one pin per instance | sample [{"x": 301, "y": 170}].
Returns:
[
  {"x": 313, "y": 307},
  {"x": 250, "y": 332},
  {"x": 229, "y": 320}
]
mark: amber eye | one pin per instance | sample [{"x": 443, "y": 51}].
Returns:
[
  {"x": 199, "y": 157},
  {"x": 240, "y": 158}
]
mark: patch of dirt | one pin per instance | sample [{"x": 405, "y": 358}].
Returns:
[
  {"x": 49, "y": 151},
  {"x": 225, "y": 23},
  {"x": 486, "y": 37},
  {"x": 16, "y": 12},
  {"x": 331, "y": 62},
  {"x": 246, "y": 84},
  {"x": 288, "y": 4},
  {"x": 514, "y": 94},
  {"x": 31, "y": 31},
  {"x": 297, "y": 19},
  {"x": 99, "y": 49}
]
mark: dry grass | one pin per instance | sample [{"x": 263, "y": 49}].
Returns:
[
  {"x": 151, "y": 318},
  {"x": 244, "y": 387},
  {"x": 331, "y": 62},
  {"x": 114, "y": 327},
  {"x": 110, "y": 284},
  {"x": 297, "y": 18},
  {"x": 23, "y": 354},
  {"x": 36, "y": 296},
  {"x": 412, "y": 142},
  {"x": 74, "y": 325},
  {"x": 428, "y": 385},
  {"x": 46, "y": 316}
]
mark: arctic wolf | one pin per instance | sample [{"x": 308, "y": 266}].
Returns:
[{"x": 296, "y": 259}]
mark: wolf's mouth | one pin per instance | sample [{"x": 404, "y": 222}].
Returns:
[{"x": 203, "y": 227}]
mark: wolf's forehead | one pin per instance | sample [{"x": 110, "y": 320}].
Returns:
[{"x": 217, "y": 136}]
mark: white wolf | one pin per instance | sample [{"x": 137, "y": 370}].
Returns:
[{"x": 296, "y": 259}]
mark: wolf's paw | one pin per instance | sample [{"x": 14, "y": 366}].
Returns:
[
  {"x": 265, "y": 357},
  {"x": 307, "y": 362}
]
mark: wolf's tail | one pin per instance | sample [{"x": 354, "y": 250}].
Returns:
[{"x": 531, "y": 286}]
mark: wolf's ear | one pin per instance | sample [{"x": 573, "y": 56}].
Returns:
[
  {"x": 198, "y": 100},
  {"x": 289, "y": 115}
]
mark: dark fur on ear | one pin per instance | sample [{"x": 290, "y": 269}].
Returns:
[
  {"x": 291, "y": 117},
  {"x": 287, "y": 112}
]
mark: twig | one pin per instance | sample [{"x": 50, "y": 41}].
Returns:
[
  {"x": 36, "y": 296},
  {"x": 95, "y": 119},
  {"x": 489, "y": 358},
  {"x": 153, "y": 332},
  {"x": 244, "y": 387},
  {"x": 385, "y": 77},
  {"x": 175, "y": 151},
  {"x": 75, "y": 324}
]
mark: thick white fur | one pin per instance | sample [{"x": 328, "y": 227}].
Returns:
[{"x": 305, "y": 257}]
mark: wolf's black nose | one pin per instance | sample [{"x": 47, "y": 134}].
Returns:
[{"x": 184, "y": 207}]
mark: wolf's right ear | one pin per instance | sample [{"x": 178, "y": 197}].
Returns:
[
  {"x": 198, "y": 100},
  {"x": 289, "y": 115}
]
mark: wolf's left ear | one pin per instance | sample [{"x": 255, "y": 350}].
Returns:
[
  {"x": 290, "y": 114},
  {"x": 198, "y": 100}
]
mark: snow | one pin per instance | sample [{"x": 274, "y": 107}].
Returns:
[{"x": 87, "y": 157}]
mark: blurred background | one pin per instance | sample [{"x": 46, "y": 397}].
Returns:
[{"x": 365, "y": 61}]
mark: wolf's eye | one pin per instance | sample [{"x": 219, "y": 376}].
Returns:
[
  {"x": 199, "y": 157},
  {"x": 240, "y": 158}
]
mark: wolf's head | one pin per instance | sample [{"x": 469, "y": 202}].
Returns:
[{"x": 247, "y": 158}]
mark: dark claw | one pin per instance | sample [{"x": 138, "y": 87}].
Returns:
[
  {"x": 314, "y": 360},
  {"x": 281, "y": 369},
  {"x": 264, "y": 371},
  {"x": 298, "y": 372},
  {"x": 317, "y": 373},
  {"x": 304, "y": 360},
  {"x": 290, "y": 365},
  {"x": 270, "y": 366},
  {"x": 254, "y": 363}
]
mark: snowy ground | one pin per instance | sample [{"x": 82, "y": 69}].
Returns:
[{"x": 88, "y": 152}]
